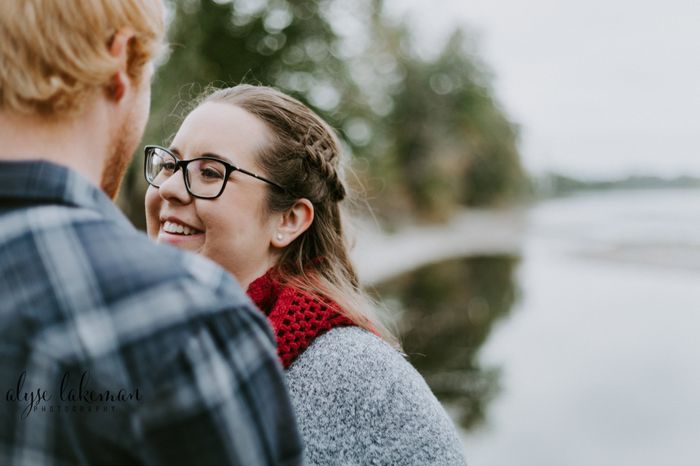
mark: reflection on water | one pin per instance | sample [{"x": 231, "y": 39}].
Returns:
[
  {"x": 598, "y": 363},
  {"x": 447, "y": 312}
]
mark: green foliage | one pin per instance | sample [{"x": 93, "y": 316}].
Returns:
[
  {"x": 425, "y": 135},
  {"x": 450, "y": 144}
]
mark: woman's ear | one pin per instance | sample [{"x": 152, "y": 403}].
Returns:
[{"x": 293, "y": 223}]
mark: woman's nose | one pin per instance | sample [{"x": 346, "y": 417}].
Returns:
[{"x": 173, "y": 189}]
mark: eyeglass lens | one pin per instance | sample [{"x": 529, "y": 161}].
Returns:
[{"x": 205, "y": 177}]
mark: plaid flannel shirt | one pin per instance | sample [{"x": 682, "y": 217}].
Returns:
[{"x": 114, "y": 350}]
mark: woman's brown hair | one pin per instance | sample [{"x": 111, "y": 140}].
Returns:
[{"x": 304, "y": 156}]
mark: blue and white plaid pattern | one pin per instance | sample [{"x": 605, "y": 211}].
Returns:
[{"x": 83, "y": 292}]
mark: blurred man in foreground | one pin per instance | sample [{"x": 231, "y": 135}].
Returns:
[{"x": 113, "y": 350}]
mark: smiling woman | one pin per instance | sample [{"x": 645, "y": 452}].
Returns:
[
  {"x": 276, "y": 225},
  {"x": 238, "y": 239}
]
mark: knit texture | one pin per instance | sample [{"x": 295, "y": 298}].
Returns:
[
  {"x": 359, "y": 402},
  {"x": 296, "y": 317}
]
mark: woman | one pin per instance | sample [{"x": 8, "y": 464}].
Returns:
[{"x": 259, "y": 192}]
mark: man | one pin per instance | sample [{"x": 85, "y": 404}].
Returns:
[{"x": 112, "y": 350}]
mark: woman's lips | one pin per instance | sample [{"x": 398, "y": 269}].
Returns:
[{"x": 177, "y": 239}]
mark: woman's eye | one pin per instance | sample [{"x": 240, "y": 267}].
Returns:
[
  {"x": 169, "y": 166},
  {"x": 210, "y": 173}
]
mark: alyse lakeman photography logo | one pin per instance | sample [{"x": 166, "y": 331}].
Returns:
[{"x": 68, "y": 396}]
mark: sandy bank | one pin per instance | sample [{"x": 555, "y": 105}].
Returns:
[{"x": 380, "y": 256}]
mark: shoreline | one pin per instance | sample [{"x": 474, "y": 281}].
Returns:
[{"x": 380, "y": 256}]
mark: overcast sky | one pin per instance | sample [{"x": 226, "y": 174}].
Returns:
[{"x": 601, "y": 88}]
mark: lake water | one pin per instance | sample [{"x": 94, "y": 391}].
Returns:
[{"x": 584, "y": 350}]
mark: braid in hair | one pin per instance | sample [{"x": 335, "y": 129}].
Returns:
[{"x": 322, "y": 151}]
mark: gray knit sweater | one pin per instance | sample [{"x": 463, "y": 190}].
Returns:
[{"x": 358, "y": 401}]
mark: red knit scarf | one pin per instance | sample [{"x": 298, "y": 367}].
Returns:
[{"x": 296, "y": 317}]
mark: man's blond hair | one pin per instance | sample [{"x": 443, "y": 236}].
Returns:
[{"x": 54, "y": 54}]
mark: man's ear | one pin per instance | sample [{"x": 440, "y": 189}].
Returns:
[
  {"x": 119, "y": 49},
  {"x": 293, "y": 223}
]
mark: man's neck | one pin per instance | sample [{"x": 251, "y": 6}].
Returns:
[{"x": 78, "y": 143}]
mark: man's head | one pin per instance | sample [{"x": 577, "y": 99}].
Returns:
[{"x": 57, "y": 58}]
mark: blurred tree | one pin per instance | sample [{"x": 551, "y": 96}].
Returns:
[{"x": 449, "y": 144}]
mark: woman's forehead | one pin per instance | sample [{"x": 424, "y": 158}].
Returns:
[{"x": 220, "y": 129}]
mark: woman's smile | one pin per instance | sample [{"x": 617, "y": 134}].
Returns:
[{"x": 178, "y": 233}]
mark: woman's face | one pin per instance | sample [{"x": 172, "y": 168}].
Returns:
[{"x": 234, "y": 229}]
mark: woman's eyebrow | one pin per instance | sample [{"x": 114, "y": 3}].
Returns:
[
  {"x": 175, "y": 152},
  {"x": 217, "y": 156}
]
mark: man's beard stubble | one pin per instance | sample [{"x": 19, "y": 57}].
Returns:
[{"x": 115, "y": 166}]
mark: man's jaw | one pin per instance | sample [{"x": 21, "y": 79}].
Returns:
[{"x": 122, "y": 148}]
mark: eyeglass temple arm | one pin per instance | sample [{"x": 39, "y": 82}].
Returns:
[{"x": 261, "y": 178}]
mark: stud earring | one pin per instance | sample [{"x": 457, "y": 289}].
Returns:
[{"x": 279, "y": 237}]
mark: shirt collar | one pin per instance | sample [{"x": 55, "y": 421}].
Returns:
[{"x": 43, "y": 182}]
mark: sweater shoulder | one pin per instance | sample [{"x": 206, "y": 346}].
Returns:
[
  {"x": 354, "y": 360},
  {"x": 359, "y": 400},
  {"x": 352, "y": 349},
  {"x": 351, "y": 364}
]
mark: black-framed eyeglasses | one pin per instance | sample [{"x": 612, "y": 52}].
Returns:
[{"x": 205, "y": 177}]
